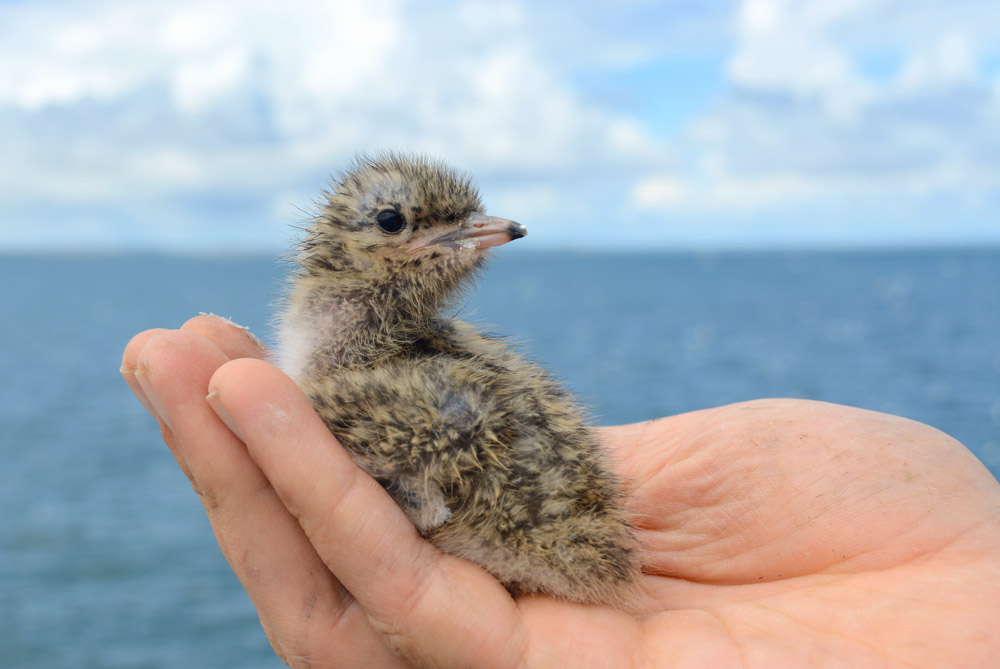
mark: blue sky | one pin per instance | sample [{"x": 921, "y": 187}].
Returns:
[{"x": 208, "y": 126}]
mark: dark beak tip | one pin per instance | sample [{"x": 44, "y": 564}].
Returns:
[{"x": 516, "y": 231}]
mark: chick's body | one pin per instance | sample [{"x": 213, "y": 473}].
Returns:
[{"x": 488, "y": 456}]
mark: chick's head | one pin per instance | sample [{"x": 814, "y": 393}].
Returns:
[{"x": 404, "y": 226}]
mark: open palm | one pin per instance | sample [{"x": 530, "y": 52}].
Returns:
[{"x": 772, "y": 533}]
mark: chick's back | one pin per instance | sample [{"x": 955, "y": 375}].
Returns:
[{"x": 490, "y": 458}]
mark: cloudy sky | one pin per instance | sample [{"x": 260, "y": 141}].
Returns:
[{"x": 200, "y": 125}]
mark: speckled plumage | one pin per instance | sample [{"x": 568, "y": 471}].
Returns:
[{"x": 488, "y": 456}]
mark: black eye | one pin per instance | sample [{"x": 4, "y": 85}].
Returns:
[{"x": 390, "y": 222}]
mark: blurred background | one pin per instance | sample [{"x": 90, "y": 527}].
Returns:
[{"x": 725, "y": 200}]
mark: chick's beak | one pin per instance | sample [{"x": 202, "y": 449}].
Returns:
[{"x": 480, "y": 231}]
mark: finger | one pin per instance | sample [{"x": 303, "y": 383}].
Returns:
[
  {"x": 303, "y": 609},
  {"x": 234, "y": 340},
  {"x": 432, "y": 608},
  {"x": 168, "y": 369},
  {"x": 128, "y": 369}
]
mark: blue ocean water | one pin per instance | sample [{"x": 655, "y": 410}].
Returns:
[{"x": 106, "y": 559}]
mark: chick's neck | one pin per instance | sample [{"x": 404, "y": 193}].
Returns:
[{"x": 356, "y": 323}]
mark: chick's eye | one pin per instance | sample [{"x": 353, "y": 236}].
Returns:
[{"x": 390, "y": 222}]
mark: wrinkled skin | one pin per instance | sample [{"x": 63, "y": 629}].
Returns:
[{"x": 773, "y": 532}]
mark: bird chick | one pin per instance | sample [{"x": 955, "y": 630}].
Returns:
[{"x": 488, "y": 456}]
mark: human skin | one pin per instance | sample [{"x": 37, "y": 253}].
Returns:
[{"x": 771, "y": 533}]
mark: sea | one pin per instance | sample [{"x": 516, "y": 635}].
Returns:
[{"x": 107, "y": 559}]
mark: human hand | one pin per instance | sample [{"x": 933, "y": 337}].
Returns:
[{"x": 772, "y": 533}]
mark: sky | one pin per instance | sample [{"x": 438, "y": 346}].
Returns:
[{"x": 210, "y": 127}]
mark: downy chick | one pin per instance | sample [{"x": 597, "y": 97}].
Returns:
[{"x": 488, "y": 456}]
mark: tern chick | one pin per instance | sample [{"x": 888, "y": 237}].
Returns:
[{"x": 488, "y": 456}]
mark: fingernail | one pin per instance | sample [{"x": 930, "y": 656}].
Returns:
[
  {"x": 155, "y": 406},
  {"x": 223, "y": 318},
  {"x": 246, "y": 329},
  {"x": 213, "y": 401}
]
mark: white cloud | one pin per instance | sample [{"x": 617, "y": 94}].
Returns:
[
  {"x": 662, "y": 191},
  {"x": 723, "y": 193},
  {"x": 948, "y": 61},
  {"x": 151, "y": 102},
  {"x": 163, "y": 120},
  {"x": 803, "y": 129},
  {"x": 785, "y": 45}
]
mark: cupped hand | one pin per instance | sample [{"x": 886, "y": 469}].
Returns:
[{"x": 772, "y": 533}]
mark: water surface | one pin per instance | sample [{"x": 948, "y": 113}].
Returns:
[{"x": 106, "y": 559}]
